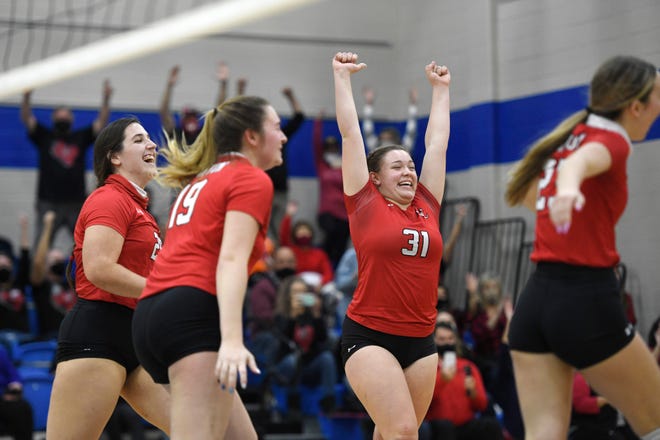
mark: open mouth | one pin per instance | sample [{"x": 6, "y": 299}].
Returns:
[{"x": 149, "y": 158}]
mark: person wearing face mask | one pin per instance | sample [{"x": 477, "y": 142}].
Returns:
[
  {"x": 13, "y": 281},
  {"x": 261, "y": 302},
  {"x": 262, "y": 297},
  {"x": 458, "y": 396},
  {"x": 332, "y": 217},
  {"x": 53, "y": 296},
  {"x": 300, "y": 238},
  {"x": 189, "y": 124},
  {"x": 486, "y": 320},
  {"x": 62, "y": 151}
]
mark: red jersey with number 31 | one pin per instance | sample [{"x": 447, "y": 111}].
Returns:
[
  {"x": 196, "y": 224},
  {"x": 590, "y": 240},
  {"x": 398, "y": 255}
]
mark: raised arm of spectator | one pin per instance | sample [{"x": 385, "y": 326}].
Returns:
[
  {"x": 437, "y": 131},
  {"x": 285, "y": 226},
  {"x": 298, "y": 116},
  {"x": 104, "y": 112},
  {"x": 38, "y": 272},
  {"x": 410, "y": 136},
  {"x": 166, "y": 117},
  {"x": 27, "y": 117},
  {"x": 241, "y": 85},
  {"x": 448, "y": 249},
  {"x": 368, "y": 129},
  {"x": 317, "y": 142},
  {"x": 223, "y": 78},
  {"x": 354, "y": 160}
]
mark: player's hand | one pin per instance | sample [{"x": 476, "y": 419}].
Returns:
[
  {"x": 231, "y": 366},
  {"x": 437, "y": 75},
  {"x": 347, "y": 62},
  {"x": 561, "y": 209}
]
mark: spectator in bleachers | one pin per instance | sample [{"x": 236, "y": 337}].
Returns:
[
  {"x": 61, "y": 149},
  {"x": 592, "y": 415},
  {"x": 485, "y": 320},
  {"x": 300, "y": 237},
  {"x": 189, "y": 125},
  {"x": 388, "y": 135},
  {"x": 279, "y": 175},
  {"x": 261, "y": 303},
  {"x": 450, "y": 243},
  {"x": 53, "y": 296},
  {"x": 346, "y": 278},
  {"x": 14, "y": 279},
  {"x": 504, "y": 386},
  {"x": 305, "y": 358},
  {"x": 458, "y": 397},
  {"x": 15, "y": 412},
  {"x": 332, "y": 217}
]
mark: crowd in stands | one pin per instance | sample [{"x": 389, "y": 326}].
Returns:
[{"x": 296, "y": 299}]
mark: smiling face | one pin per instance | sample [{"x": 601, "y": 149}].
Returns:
[
  {"x": 136, "y": 161},
  {"x": 396, "y": 179},
  {"x": 268, "y": 143}
]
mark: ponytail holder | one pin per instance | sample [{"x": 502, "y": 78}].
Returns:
[{"x": 215, "y": 111}]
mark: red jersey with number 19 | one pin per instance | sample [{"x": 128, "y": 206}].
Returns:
[
  {"x": 590, "y": 240},
  {"x": 196, "y": 224},
  {"x": 119, "y": 205},
  {"x": 398, "y": 255}
]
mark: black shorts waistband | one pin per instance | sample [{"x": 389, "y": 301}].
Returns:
[{"x": 565, "y": 270}]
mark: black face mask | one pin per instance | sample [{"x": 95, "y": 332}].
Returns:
[
  {"x": 5, "y": 274},
  {"x": 284, "y": 273},
  {"x": 58, "y": 269},
  {"x": 442, "y": 304},
  {"x": 62, "y": 127},
  {"x": 445, "y": 348}
]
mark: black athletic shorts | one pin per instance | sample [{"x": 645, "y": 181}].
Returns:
[
  {"x": 405, "y": 349},
  {"x": 97, "y": 329},
  {"x": 172, "y": 325},
  {"x": 575, "y": 312}
]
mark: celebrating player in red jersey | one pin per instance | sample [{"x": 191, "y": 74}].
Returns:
[
  {"x": 195, "y": 293},
  {"x": 387, "y": 343},
  {"x": 116, "y": 242},
  {"x": 569, "y": 315}
]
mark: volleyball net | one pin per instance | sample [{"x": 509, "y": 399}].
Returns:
[{"x": 48, "y": 41}]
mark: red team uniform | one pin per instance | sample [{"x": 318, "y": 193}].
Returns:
[
  {"x": 119, "y": 205},
  {"x": 197, "y": 220},
  {"x": 398, "y": 255},
  {"x": 571, "y": 305},
  {"x": 590, "y": 241}
]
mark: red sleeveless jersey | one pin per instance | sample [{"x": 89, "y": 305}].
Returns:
[
  {"x": 398, "y": 255},
  {"x": 591, "y": 239}
]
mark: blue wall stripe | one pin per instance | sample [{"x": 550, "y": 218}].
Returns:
[{"x": 488, "y": 133}]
